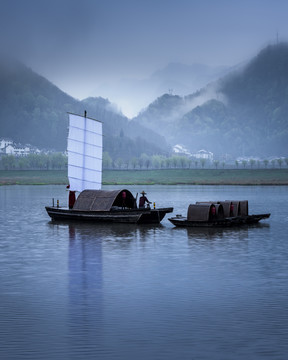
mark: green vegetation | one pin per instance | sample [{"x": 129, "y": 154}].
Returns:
[
  {"x": 198, "y": 177},
  {"x": 58, "y": 161},
  {"x": 150, "y": 177},
  {"x": 34, "y": 111},
  {"x": 33, "y": 177},
  {"x": 245, "y": 112},
  {"x": 51, "y": 161}
]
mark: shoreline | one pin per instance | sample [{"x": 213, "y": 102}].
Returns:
[{"x": 269, "y": 177}]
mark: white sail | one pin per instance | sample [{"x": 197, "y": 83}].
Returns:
[{"x": 84, "y": 153}]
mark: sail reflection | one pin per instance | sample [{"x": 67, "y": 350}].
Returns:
[
  {"x": 87, "y": 244},
  {"x": 85, "y": 269}
]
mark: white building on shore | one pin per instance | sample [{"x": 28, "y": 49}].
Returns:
[
  {"x": 203, "y": 154},
  {"x": 8, "y": 147}
]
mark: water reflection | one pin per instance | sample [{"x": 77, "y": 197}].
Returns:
[
  {"x": 85, "y": 272},
  {"x": 85, "y": 260},
  {"x": 209, "y": 233},
  {"x": 217, "y": 233},
  {"x": 119, "y": 291},
  {"x": 114, "y": 234}
]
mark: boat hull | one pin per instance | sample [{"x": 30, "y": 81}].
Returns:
[
  {"x": 132, "y": 216},
  {"x": 181, "y": 221}
]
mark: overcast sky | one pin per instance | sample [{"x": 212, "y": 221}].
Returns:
[{"x": 81, "y": 44}]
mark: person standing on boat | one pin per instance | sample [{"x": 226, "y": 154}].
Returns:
[
  {"x": 143, "y": 199},
  {"x": 72, "y": 197}
]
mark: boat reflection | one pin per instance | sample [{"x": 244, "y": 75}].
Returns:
[
  {"x": 240, "y": 233},
  {"x": 117, "y": 233},
  {"x": 216, "y": 234}
]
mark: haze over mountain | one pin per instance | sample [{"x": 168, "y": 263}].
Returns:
[
  {"x": 82, "y": 45},
  {"x": 244, "y": 113},
  {"x": 174, "y": 78},
  {"x": 34, "y": 111}
]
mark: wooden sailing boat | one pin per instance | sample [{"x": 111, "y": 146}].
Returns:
[{"x": 85, "y": 176}]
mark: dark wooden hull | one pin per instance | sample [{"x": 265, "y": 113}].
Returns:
[
  {"x": 226, "y": 222},
  {"x": 132, "y": 216}
]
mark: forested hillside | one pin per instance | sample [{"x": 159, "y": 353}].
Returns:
[
  {"x": 244, "y": 113},
  {"x": 258, "y": 100},
  {"x": 34, "y": 111}
]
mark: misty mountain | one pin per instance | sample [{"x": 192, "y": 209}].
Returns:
[
  {"x": 175, "y": 78},
  {"x": 186, "y": 79},
  {"x": 34, "y": 111},
  {"x": 243, "y": 113}
]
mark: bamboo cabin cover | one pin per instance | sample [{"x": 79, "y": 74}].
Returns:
[
  {"x": 101, "y": 200},
  {"x": 199, "y": 212},
  {"x": 203, "y": 212},
  {"x": 227, "y": 208},
  {"x": 230, "y": 207},
  {"x": 240, "y": 208}
]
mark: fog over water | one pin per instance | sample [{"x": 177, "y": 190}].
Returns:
[{"x": 112, "y": 48}]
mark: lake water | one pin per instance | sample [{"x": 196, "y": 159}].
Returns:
[{"x": 82, "y": 291}]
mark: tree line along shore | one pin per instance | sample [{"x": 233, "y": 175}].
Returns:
[{"x": 152, "y": 177}]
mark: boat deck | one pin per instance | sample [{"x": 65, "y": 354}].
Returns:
[
  {"x": 181, "y": 221},
  {"x": 136, "y": 216}
]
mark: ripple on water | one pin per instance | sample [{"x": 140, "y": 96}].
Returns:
[{"x": 75, "y": 291}]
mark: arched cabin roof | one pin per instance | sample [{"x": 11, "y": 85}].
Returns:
[
  {"x": 230, "y": 207},
  {"x": 102, "y": 200},
  {"x": 240, "y": 208},
  {"x": 203, "y": 212}
]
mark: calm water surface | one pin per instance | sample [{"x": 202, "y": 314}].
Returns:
[{"x": 82, "y": 291}]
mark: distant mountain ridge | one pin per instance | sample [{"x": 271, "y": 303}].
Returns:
[
  {"x": 34, "y": 111},
  {"x": 243, "y": 113},
  {"x": 175, "y": 78},
  {"x": 186, "y": 79}
]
